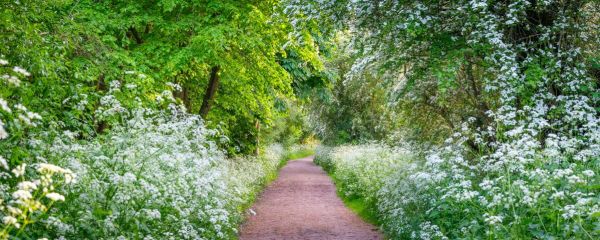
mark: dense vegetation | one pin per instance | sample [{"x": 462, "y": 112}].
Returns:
[
  {"x": 162, "y": 119},
  {"x": 486, "y": 114},
  {"x": 144, "y": 119}
]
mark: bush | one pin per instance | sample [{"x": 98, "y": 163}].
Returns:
[
  {"x": 446, "y": 196},
  {"x": 27, "y": 191},
  {"x": 323, "y": 157},
  {"x": 360, "y": 170},
  {"x": 153, "y": 175},
  {"x": 158, "y": 176}
]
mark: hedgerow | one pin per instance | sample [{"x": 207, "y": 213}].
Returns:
[
  {"x": 446, "y": 196},
  {"x": 157, "y": 174}
]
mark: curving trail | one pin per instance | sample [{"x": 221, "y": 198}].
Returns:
[{"x": 302, "y": 204}]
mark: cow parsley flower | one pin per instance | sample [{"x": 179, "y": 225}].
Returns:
[
  {"x": 4, "y": 106},
  {"x": 10, "y": 220},
  {"x": 493, "y": 220},
  {"x": 27, "y": 185},
  {"x": 46, "y": 168},
  {"x": 3, "y": 163},
  {"x": 12, "y": 80},
  {"x": 569, "y": 212},
  {"x": 55, "y": 196},
  {"x": 3, "y": 133},
  {"x": 22, "y": 195},
  {"x": 588, "y": 173},
  {"x": 19, "y": 170},
  {"x": 21, "y": 71}
]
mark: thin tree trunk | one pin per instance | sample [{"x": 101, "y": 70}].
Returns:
[
  {"x": 100, "y": 87},
  {"x": 136, "y": 35},
  {"x": 211, "y": 90},
  {"x": 186, "y": 98}
]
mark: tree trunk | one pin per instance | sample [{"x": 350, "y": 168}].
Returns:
[
  {"x": 100, "y": 87},
  {"x": 211, "y": 90},
  {"x": 136, "y": 35},
  {"x": 185, "y": 97}
]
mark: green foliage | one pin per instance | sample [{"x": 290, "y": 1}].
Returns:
[
  {"x": 499, "y": 98},
  {"x": 75, "y": 49},
  {"x": 361, "y": 208},
  {"x": 437, "y": 71},
  {"x": 354, "y": 107},
  {"x": 108, "y": 79},
  {"x": 300, "y": 151},
  {"x": 406, "y": 196},
  {"x": 180, "y": 41}
]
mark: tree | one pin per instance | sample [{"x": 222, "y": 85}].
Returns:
[
  {"x": 224, "y": 55},
  {"x": 474, "y": 62}
]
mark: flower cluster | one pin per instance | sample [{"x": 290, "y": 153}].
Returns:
[
  {"x": 524, "y": 163},
  {"x": 457, "y": 198},
  {"x": 26, "y": 195},
  {"x": 31, "y": 197},
  {"x": 361, "y": 170},
  {"x": 157, "y": 176}
]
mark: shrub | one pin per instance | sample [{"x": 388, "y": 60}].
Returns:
[
  {"x": 446, "y": 196},
  {"x": 360, "y": 170},
  {"x": 26, "y": 195},
  {"x": 157, "y": 176}
]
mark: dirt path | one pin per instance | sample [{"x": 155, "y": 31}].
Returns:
[{"x": 302, "y": 204}]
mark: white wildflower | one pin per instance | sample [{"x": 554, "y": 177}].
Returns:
[
  {"x": 493, "y": 220},
  {"x": 22, "y": 195},
  {"x": 569, "y": 212},
  {"x": 19, "y": 170},
  {"x": 12, "y": 80},
  {"x": 9, "y": 220},
  {"x": 3, "y": 133},
  {"x": 27, "y": 185},
  {"x": 14, "y": 211},
  {"x": 4, "y": 106},
  {"x": 3, "y": 163},
  {"x": 20, "y": 107},
  {"x": 46, "y": 168},
  {"x": 588, "y": 173},
  {"x": 558, "y": 195},
  {"x": 21, "y": 71},
  {"x": 486, "y": 184},
  {"x": 69, "y": 178},
  {"x": 55, "y": 196},
  {"x": 175, "y": 86},
  {"x": 114, "y": 85},
  {"x": 152, "y": 214}
]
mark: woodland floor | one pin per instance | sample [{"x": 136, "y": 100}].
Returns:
[{"x": 302, "y": 204}]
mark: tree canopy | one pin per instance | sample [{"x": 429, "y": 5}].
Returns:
[{"x": 226, "y": 60}]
